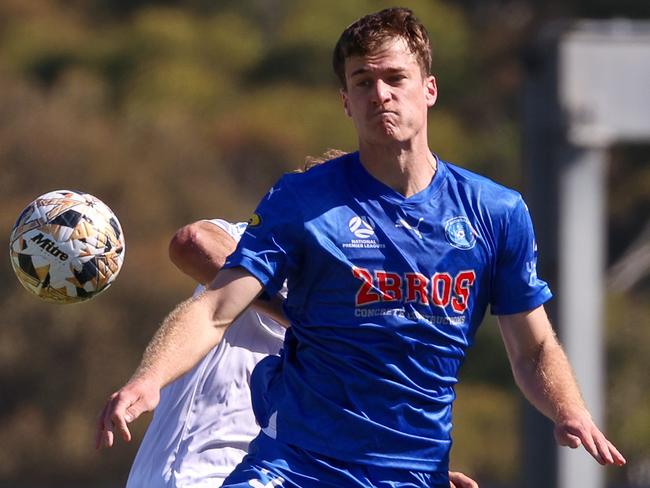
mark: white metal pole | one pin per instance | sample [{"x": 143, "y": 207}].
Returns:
[{"x": 581, "y": 283}]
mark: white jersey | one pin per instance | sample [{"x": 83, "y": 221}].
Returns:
[{"x": 204, "y": 422}]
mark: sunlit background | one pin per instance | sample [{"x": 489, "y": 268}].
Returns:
[{"x": 172, "y": 111}]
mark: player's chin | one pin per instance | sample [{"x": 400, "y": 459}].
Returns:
[{"x": 387, "y": 133}]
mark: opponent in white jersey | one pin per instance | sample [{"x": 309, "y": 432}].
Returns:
[{"x": 204, "y": 422}]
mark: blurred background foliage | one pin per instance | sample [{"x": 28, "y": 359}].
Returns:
[{"x": 172, "y": 111}]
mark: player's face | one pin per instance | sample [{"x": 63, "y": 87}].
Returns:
[{"x": 387, "y": 96}]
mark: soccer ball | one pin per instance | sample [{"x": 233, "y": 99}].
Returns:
[{"x": 66, "y": 246}]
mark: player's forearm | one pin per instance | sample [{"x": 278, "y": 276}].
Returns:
[
  {"x": 544, "y": 375},
  {"x": 196, "y": 326},
  {"x": 547, "y": 380},
  {"x": 184, "y": 338},
  {"x": 539, "y": 365}
]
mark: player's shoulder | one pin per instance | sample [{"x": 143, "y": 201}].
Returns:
[{"x": 482, "y": 189}]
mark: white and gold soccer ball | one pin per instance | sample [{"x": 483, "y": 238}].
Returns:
[{"x": 67, "y": 246}]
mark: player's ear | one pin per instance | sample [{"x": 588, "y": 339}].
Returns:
[
  {"x": 431, "y": 90},
  {"x": 344, "y": 99}
]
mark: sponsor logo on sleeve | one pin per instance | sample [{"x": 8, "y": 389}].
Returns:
[{"x": 531, "y": 268}]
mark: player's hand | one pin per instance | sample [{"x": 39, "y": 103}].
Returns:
[
  {"x": 459, "y": 480},
  {"x": 122, "y": 408},
  {"x": 577, "y": 430}
]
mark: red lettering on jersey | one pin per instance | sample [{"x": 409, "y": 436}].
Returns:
[
  {"x": 386, "y": 286},
  {"x": 441, "y": 289},
  {"x": 390, "y": 286},
  {"x": 365, "y": 295},
  {"x": 464, "y": 281},
  {"x": 416, "y": 284}
]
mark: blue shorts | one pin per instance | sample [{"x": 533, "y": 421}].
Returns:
[{"x": 271, "y": 463}]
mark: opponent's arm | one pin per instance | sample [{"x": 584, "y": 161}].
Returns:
[
  {"x": 185, "y": 336},
  {"x": 200, "y": 250},
  {"x": 543, "y": 373}
]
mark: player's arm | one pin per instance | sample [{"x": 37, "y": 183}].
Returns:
[
  {"x": 459, "y": 480},
  {"x": 186, "y": 335},
  {"x": 543, "y": 373},
  {"x": 200, "y": 250}
]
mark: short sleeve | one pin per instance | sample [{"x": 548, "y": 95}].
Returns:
[
  {"x": 270, "y": 246},
  {"x": 234, "y": 230},
  {"x": 516, "y": 286}
]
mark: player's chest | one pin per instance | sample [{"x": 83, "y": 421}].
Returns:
[{"x": 426, "y": 240}]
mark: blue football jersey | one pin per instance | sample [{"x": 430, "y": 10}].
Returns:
[{"x": 385, "y": 296}]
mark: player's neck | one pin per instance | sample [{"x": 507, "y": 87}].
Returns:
[{"x": 407, "y": 170}]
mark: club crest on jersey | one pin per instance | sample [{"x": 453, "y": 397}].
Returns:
[{"x": 460, "y": 234}]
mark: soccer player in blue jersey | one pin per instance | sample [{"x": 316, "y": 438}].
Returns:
[{"x": 392, "y": 257}]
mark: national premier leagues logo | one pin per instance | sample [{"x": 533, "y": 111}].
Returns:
[
  {"x": 361, "y": 227},
  {"x": 460, "y": 234}
]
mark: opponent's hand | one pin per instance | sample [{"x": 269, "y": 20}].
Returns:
[
  {"x": 579, "y": 430},
  {"x": 122, "y": 408},
  {"x": 459, "y": 480}
]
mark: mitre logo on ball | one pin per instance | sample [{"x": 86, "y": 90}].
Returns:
[{"x": 66, "y": 246}]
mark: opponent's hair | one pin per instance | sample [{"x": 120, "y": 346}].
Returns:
[
  {"x": 372, "y": 31},
  {"x": 311, "y": 161}
]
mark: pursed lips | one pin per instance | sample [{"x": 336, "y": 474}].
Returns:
[{"x": 379, "y": 113}]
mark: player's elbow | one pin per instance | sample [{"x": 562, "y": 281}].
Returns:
[
  {"x": 200, "y": 249},
  {"x": 188, "y": 252},
  {"x": 183, "y": 244}
]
